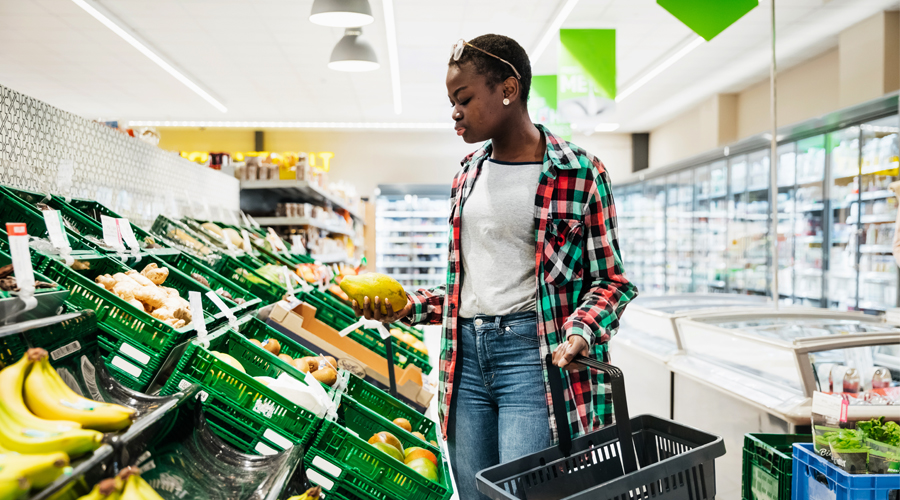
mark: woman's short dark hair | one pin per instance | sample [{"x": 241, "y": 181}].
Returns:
[{"x": 494, "y": 70}]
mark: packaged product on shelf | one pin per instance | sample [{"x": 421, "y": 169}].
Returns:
[{"x": 858, "y": 434}]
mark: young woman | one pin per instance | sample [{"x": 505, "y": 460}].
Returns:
[{"x": 534, "y": 268}]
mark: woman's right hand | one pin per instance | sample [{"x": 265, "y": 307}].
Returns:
[{"x": 371, "y": 310}]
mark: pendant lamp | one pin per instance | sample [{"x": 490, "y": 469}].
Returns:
[
  {"x": 353, "y": 54},
  {"x": 341, "y": 13}
]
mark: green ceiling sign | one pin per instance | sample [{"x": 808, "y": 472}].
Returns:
[{"x": 708, "y": 18}]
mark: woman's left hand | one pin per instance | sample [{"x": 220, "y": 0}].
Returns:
[{"x": 566, "y": 352}]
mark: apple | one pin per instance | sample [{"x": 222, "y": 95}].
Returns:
[
  {"x": 388, "y": 449},
  {"x": 425, "y": 468},
  {"x": 415, "y": 453}
]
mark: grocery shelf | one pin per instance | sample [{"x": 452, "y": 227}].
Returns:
[
  {"x": 300, "y": 191},
  {"x": 876, "y": 249},
  {"x": 414, "y": 215},
  {"x": 416, "y": 229},
  {"x": 877, "y": 195},
  {"x": 331, "y": 258},
  {"x": 304, "y": 221}
]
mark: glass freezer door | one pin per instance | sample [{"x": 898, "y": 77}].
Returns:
[
  {"x": 701, "y": 237},
  {"x": 808, "y": 221},
  {"x": 736, "y": 224},
  {"x": 655, "y": 250},
  {"x": 787, "y": 208},
  {"x": 717, "y": 265},
  {"x": 756, "y": 249},
  {"x": 843, "y": 210},
  {"x": 679, "y": 234}
]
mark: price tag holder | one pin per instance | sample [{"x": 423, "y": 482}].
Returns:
[
  {"x": 245, "y": 219},
  {"x": 196, "y": 301},
  {"x": 57, "y": 233},
  {"x": 111, "y": 235},
  {"x": 21, "y": 260},
  {"x": 253, "y": 222},
  {"x": 297, "y": 246},
  {"x": 214, "y": 297},
  {"x": 247, "y": 245},
  {"x": 128, "y": 234},
  {"x": 288, "y": 283}
]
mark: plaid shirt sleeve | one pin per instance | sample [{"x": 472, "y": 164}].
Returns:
[
  {"x": 597, "y": 317},
  {"x": 427, "y": 306}
]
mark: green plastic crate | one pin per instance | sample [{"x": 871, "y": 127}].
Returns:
[
  {"x": 210, "y": 236},
  {"x": 139, "y": 327},
  {"x": 124, "y": 369},
  {"x": 167, "y": 229},
  {"x": 93, "y": 210},
  {"x": 246, "y": 276},
  {"x": 767, "y": 465},
  {"x": 62, "y": 339},
  {"x": 370, "y": 339},
  {"x": 247, "y": 431},
  {"x": 256, "y": 329},
  {"x": 14, "y": 209},
  {"x": 341, "y": 449},
  {"x": 199, "y": 365},
  {"x": 388, "y": 406},
  {"x": 190, "y": 265}
]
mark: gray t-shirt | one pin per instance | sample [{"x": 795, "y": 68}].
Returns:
[{"x": 497, "y": 239}]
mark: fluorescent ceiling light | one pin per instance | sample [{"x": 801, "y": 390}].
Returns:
[
  {"x": 341, "y": 13},
  {"x": 393, "y": 57},
  {"x": 552, "y": 30},
  {"x": 606, "y": 127},
  {"x": 651, "y": 74},
  {"x": 296, "y": 125},
  {"x": 353, "y": 54},
  {"x": 107, "y": 19}
]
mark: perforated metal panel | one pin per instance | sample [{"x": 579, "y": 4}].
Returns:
[{"x": 46, "y": 149}]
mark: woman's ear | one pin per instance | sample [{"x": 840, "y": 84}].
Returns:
[{"x": 511, "y": 89}]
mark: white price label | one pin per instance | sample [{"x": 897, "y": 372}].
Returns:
[
  {"x": 247, "y": 246},
  {"x": 253, "y": 221},
  {"x": 58, "y": 237},
  {"x": 287, "y": 281},
  {"x": 196, "y": 301},
  {"x": 128, "y": 234},
  {"x": 214, "y": 297},
  {"x": 111, "y": 233},
  {"x": 297, "y": 244},
  {"x": 245, "y": 219},
  {"x": 21, "y": 257}
]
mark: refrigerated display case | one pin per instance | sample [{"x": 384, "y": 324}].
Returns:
[
  {"x": 762, "y": 369},
  {"x": 411, "y": 239},
  {"x": 836, "y": 215}
]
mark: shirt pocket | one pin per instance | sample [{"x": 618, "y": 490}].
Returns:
[{"x": 563, "y": 247}]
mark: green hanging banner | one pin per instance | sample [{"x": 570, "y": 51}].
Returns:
[
  {"x": 542, "y": 105},
  {"x": 708, "y": 18},
  {"x": 586, "y": 89}
]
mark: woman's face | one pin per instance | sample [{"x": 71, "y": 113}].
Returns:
[{"x": 477, "y": 108}]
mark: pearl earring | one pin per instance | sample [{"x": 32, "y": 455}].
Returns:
[{"x": 506, "y": 102}]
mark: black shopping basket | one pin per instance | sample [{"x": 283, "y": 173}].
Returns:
[{"x": 640, "y": 458}]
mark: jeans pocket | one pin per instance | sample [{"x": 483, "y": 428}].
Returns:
[{"x": 523, "y": 330}]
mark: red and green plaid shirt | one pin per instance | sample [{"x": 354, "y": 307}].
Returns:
[{"x": 582, "y": 289}]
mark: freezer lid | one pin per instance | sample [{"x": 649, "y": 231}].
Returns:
[{"x": 690, "y": 301}]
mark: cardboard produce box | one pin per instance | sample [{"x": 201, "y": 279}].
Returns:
[{"x": 302, "y": 323}]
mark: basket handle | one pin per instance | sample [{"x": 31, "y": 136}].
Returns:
[{"x": 620, "y": 408}]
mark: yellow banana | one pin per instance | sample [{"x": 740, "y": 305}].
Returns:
[
  {"x": 311, "y": 494},
  {"x": 41, "y": 469},
  {"x": 75, "y": 442},
  {"x": 10, "y": 489},
  {"x": 108, "y": 489},
  {"x": 12, "y": 380},
  {"x": 48, "y": 396},
  {"x": 138, "y": 489}
]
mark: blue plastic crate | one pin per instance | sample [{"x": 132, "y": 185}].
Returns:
[{"x": 816, "y": 478}]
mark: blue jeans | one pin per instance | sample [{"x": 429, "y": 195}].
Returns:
[{"x": 500, "y": 411}]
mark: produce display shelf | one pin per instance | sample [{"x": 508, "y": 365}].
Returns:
[
  {"x": 370, "y": 339},
  {"x": 238, "y": 388},
  {"x": 815, "y": 478},
  {"x": 337, "y": 303},
  {"x": 182, "y": 237},
  {"x": 49, "y": 300},
  {"x": 13, "y": 209},
  {"x": 342, "y": 451},
  {"x": 767, "y": 465},
  {"x": 191, "y": 265}
]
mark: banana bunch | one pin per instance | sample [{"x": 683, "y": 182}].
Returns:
[
  {"x": 48, "y": 396},
  {"x": 311, "y": 494},
  {"x": 127, "y": 485},
  {"x": 24, "y": 432}
]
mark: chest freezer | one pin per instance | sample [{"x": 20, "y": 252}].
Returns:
[{"x": 743, "y": 372}]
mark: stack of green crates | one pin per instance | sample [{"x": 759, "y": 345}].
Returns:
[
  {"x": 767, "y": 466},
  {"x": 191, "y": 265}
]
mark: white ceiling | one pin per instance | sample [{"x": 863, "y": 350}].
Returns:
[{"x": 265, "y": 61}]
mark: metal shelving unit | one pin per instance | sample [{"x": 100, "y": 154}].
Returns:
[
  {"x": 703, "y": 225},
  {"x": 411, "y": 238}
]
